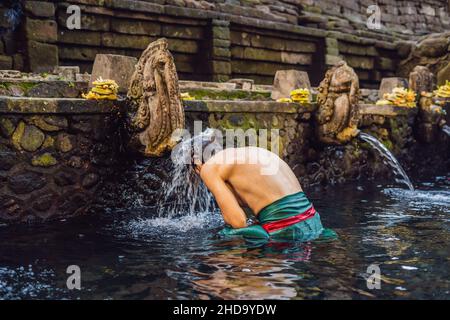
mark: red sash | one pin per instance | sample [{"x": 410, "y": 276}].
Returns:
[{"x": 283, "y": 223}]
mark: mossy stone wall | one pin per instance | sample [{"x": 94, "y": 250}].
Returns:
[{"x": 52, "y": 164}]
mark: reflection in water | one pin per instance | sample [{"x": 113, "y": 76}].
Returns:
[
  {"x": 134, "y": 256},
  {"x": 267, "y": 272}
]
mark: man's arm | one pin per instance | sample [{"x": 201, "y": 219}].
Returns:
[{"x": 231, "y": 210}]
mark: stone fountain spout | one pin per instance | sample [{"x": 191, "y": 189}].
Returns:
[
  {"x": 337, "y": 115},
  {"x": 154, "y": 88}
]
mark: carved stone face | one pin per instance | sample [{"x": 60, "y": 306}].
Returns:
[
  {"x": 154, "y": 86},
  {"x": 342, "y": 78},
  {"x": 337, "y": 114}
]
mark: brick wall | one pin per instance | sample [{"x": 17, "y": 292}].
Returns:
[{"x": 220, "y": 39}]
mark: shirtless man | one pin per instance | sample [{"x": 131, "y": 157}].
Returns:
[{"x": 235, "y": 178}]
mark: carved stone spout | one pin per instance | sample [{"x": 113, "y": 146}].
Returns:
[
  {"x": 154, "y": 87},
  {"x": 337, "y": 115}
]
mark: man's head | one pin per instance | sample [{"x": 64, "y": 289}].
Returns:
[{"x": 204, "y": 146}]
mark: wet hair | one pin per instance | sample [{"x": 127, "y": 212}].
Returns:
[
  {"x": 198, "y": 148},
  {"x": 204, "y": 141}
]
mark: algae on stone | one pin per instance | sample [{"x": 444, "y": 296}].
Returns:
[{"x": 44, "y": 160}]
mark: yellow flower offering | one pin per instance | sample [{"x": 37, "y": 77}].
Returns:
[
  {"x": 284, "y": 100},
  {"x": 399, "y": 97},
  {"x": 301, "y": 95},
  {"x": 185, "y": 96},
  {"x": 102, "y": 90},
  {"x": 443, "y": 91}
]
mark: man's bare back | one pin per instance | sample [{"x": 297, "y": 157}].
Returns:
[{"x": 236, "y": 178}]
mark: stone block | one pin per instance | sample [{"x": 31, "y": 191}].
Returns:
[
  {"x": 114, "y": 67},
  {"x": 296, "y": 58},
  {"x": 186, "y": 32},
  {"x": 219, "y": 52},
  {"x": 388, "y": 84},
  {"x": 136, "y": 27},
  {"x": 42, "y": 57},
  {"x": 126, "y": 41},
  {"x": 40, "y": 9},
  {"x": 6, "y": 62},
  {"x": 221, "y": 67},
  {"x": 221, "y": 33},
  {"x": 221, "y": 43},
  {"x": 80, "y": 37},
  {"x": 88, "y": 21},
  {"x": 184, "y": 46},
  {"x": 385, "y": 64},
  {"x": 83, "y": 77},
  {"x": 443, "y": 75},
  {"x": 18, "y": 63},
  {"x": 243, "y": 84},
  {"x": 433, "y": 47},
  {"x": 287, "y": 80},
  {"x": 358, "y": 62},
  {"x": 41, "y": 30},
  {"x": 67, "y": 72},
  {"x": 331, "y": 60}
]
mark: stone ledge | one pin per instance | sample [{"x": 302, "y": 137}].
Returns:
[
  {"x": 11, "y": 105},
  {"x": 42, "y": 88},
  {"x": 386, "y": 110},
  {"x": 247, "y": 106}
]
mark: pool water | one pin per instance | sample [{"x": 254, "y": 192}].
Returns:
[{"x": 130, "y": 255}]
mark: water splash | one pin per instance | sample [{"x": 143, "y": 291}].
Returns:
[
  {"x": 185, "y": 203},
  {"x": 400, "y": 174},
  {"x": 420, "y": 199},
  {"x": 167, "y": 226},
  {"x": 446, "y": 130},
  {"x": 185, "y": 193}
]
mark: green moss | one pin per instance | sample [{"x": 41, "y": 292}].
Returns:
[
  {"x": 17, "y": 135},
  {"x": 48, "y": 142},
  {"x": 25, "y": 86},
  {"x": 45, "y": 160},
  {"x": 205, "y": 94},
  {"x": 388, "y": 144},
  {"x": 7, "y": 127}
]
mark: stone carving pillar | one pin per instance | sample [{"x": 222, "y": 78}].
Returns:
[
  {"x": 337, "y": 115},
  {"x": 154, "y": 86},
  {"x": 421, "y": 79},
  {"x": 430, "y": 116}
]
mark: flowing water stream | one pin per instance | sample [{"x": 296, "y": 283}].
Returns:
[
  {"x": 390, "y": 160},
  {"x": 446, "y": 130}
]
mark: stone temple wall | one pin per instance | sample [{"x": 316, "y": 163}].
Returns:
[
  {"x": 54, "y": 155},
  {"x": 313, "y": 163},
  {"x": 61, "y": 158},
  {"x": 221, "y": 39}
]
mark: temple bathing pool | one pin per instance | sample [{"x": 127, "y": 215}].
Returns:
[{"x": 129, "y": 255}]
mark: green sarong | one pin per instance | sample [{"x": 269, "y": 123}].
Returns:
[{"x": 277, "y": 221}]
